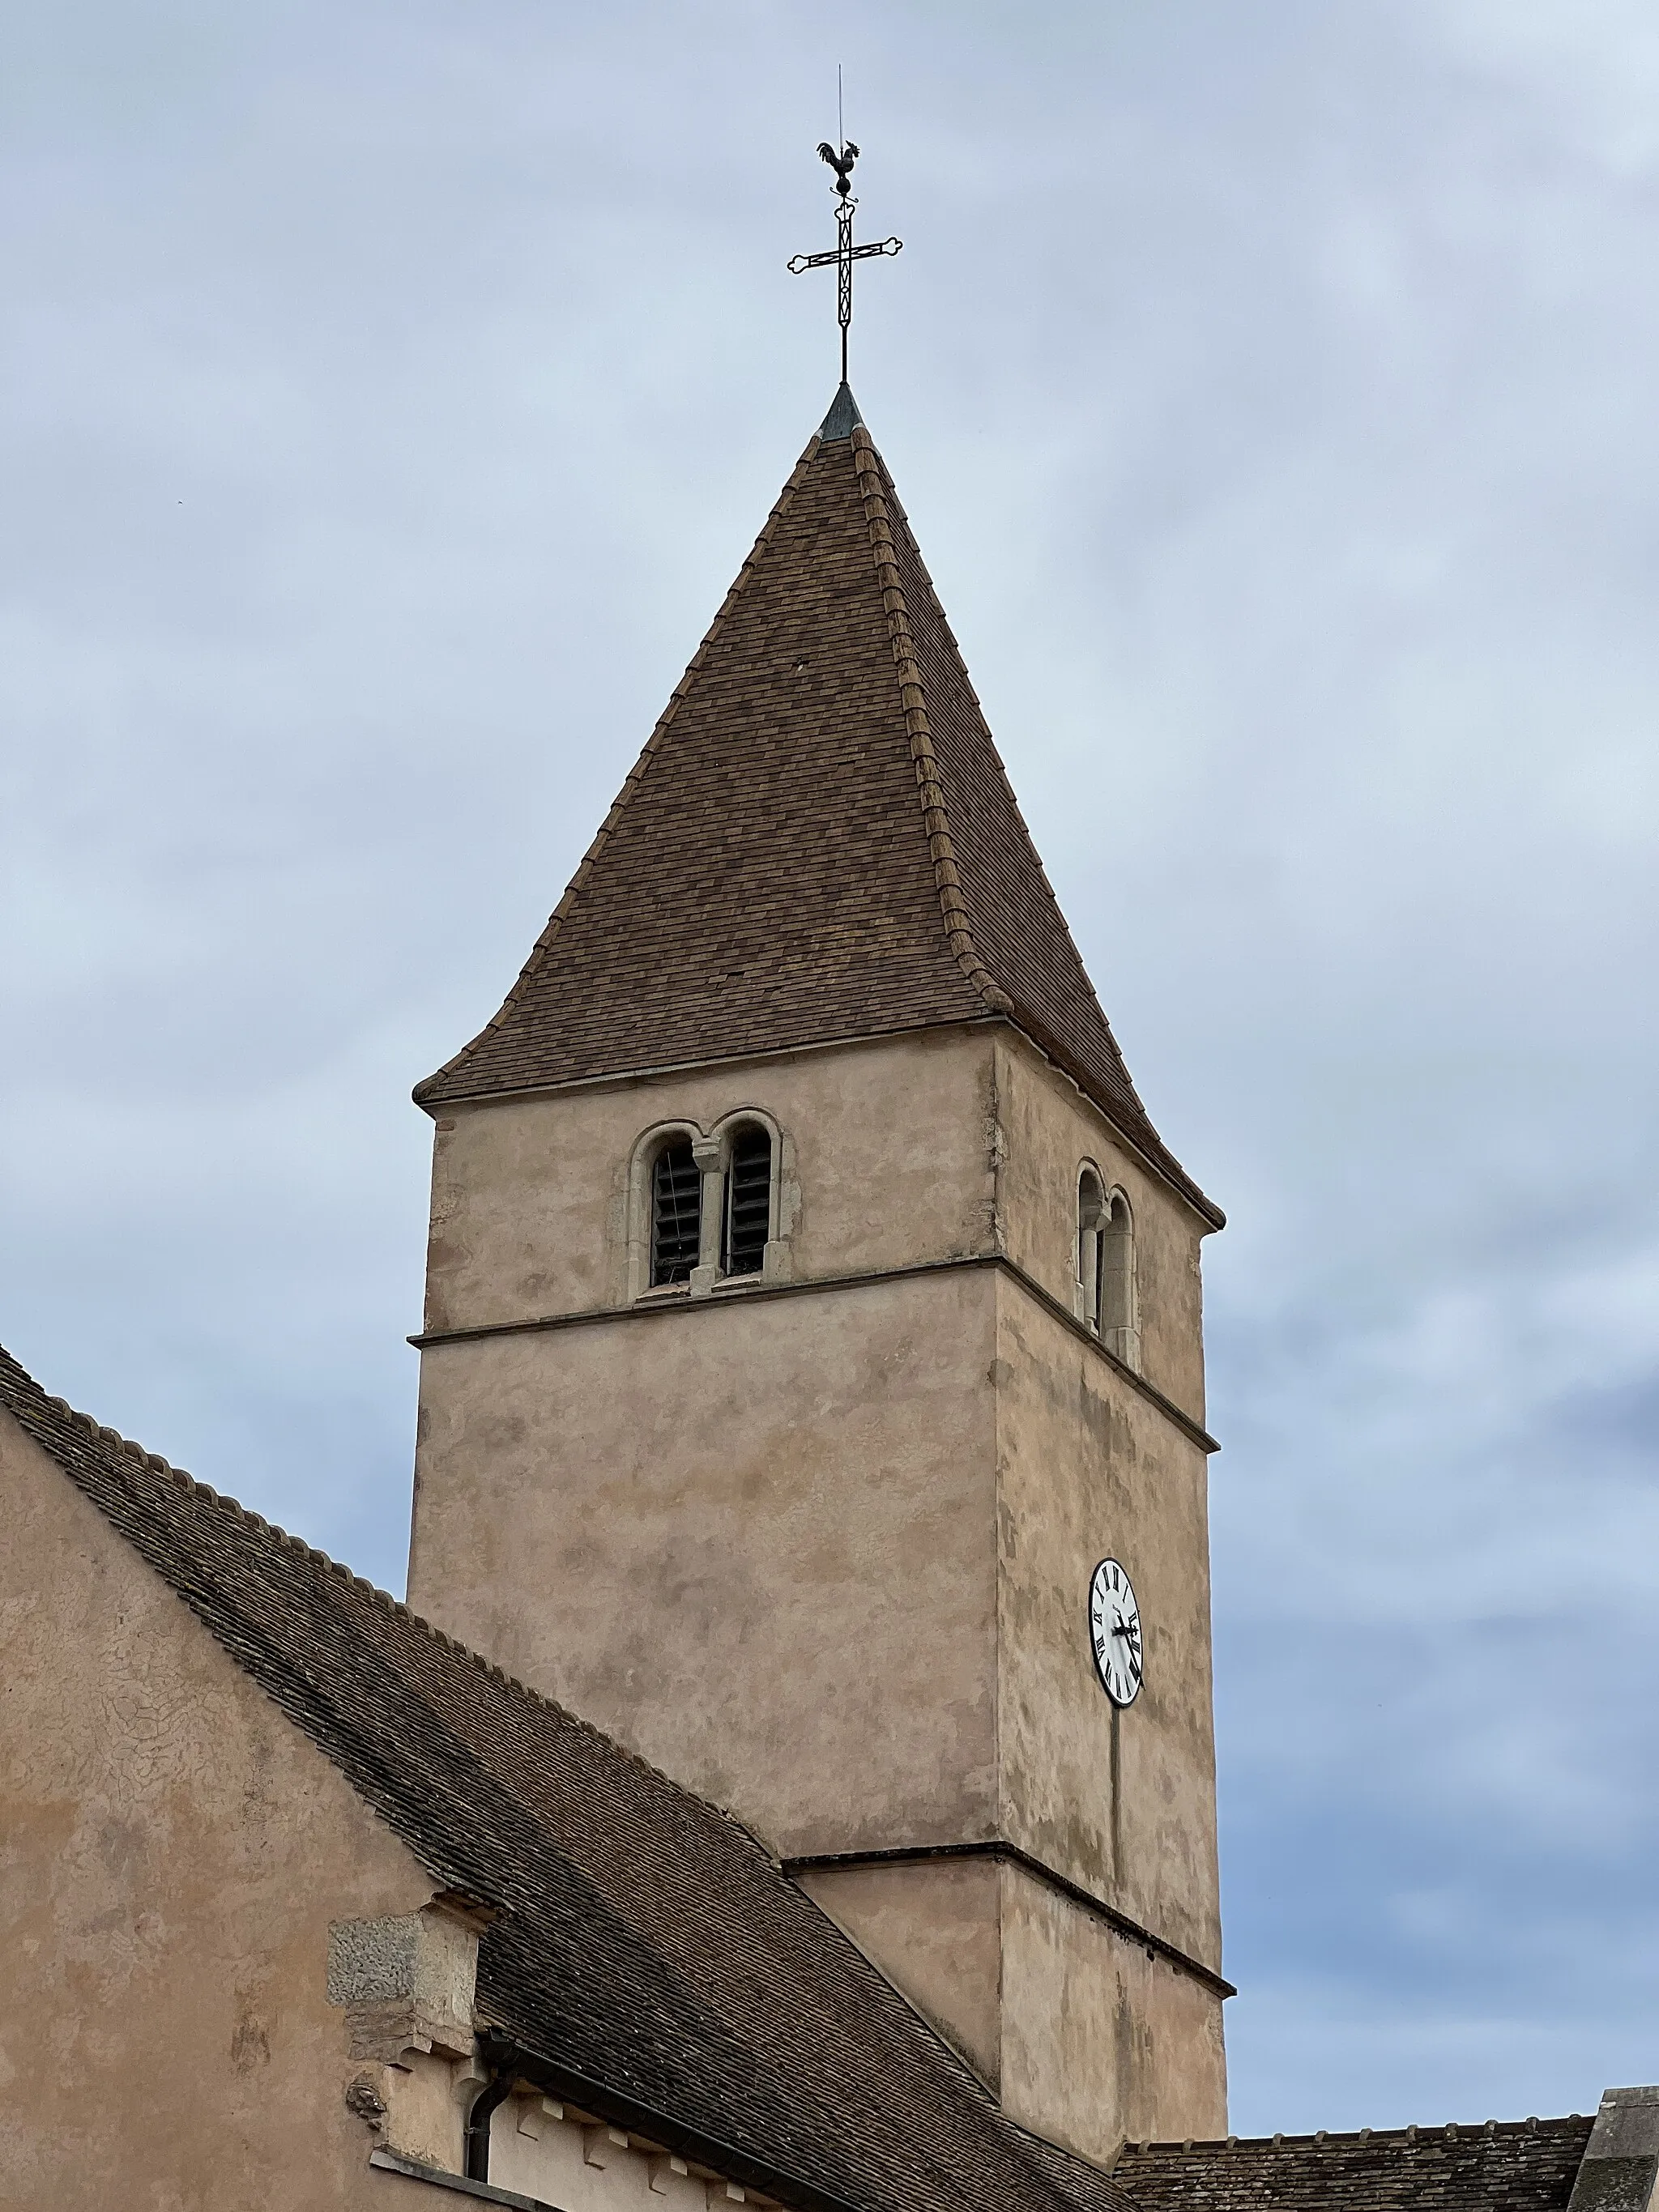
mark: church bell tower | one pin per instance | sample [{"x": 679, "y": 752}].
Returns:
[{"x": 811, "y": 1381}]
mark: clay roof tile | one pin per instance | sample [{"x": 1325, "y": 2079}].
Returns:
[{"x": 1515, "y": 2165}]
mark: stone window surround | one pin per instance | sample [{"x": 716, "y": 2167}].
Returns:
[
  {"x": 711, "y": 1149},
  {"x": 1106, "y": 1206}
]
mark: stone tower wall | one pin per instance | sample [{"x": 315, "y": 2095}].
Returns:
[{"x": 819, "y": 1542}]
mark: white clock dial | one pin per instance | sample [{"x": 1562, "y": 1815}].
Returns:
[{"x": 1115, "y": 1632}]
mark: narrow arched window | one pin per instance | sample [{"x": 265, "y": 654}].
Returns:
[
  {"x": 1116, "y": 1303},
  {"x": 1091, "y": 1239},
  {"x": 747, "y": 1217},
  {"x": 676, "y": 1214}
]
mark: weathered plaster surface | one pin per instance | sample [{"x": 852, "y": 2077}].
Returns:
[
  {"x": 1088, "y": 2036},
  {"x": 755, "y": 1543},
  {"x": 172, "y": 1855},
  {"x": 933, "y": 1928},
  {"x": 1087, "y": 1469},
  {"x": 824, "y": 1557},
  {"x": 1049, "y": 1130},
  {"x": 888, "y": 1144},
  {"x": 1100, "y": 2040}
]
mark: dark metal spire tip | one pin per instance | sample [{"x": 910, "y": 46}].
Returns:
[{"x": 843, "y": 417}]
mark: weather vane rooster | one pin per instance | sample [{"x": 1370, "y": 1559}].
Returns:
[
  {"x": 846, "y": 254},
  {"x": 841, "y": 163}
]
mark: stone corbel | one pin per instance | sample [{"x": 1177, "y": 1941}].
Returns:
[
  {"x": 406, "y": 1982},
  {"x": 602, "y": 2146},
  {"x": 532, "y": 2112}
]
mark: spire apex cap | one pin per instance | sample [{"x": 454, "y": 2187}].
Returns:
[{"x": 843, "y": 417}]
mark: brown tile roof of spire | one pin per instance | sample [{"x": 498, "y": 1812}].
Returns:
[
  {"x": 818, "y": 843},
  {"x": 649, "y": 1954}
]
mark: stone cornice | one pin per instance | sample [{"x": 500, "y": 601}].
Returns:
[
  {"x": 999, "y": 1848},
  {"x": 655, "y": 1304},
  {"x": 622, "y": 1078}
]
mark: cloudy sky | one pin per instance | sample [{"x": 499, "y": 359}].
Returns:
[{"x": 390, "y": 392}]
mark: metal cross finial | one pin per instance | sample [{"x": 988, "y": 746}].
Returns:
[{"x": 846, "y": 252}]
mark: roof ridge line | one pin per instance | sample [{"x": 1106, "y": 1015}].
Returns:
[
  {"x": 1412, "y": 2131},
  {"x": 913, "y": 701},
  {"x": 952, "y": 640},
  {"x": 153, "y": 1463},
  {"x": 573, "y": 889}
]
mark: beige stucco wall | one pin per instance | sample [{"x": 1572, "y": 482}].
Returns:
[
  {"x": 171, "y": 1855},
  {"x": 1088, "y": 1468},
  {"x": 896, "y": 1153},
  {"x": 1088, "y": 2036},
  {"x": 754, "y": 1541},
  {"x": 934, "y": 1929},
  {"x": 889, "y": 1152},
  {"x": 1100, "y": 2040},
  {"x": 824, "y": 1555},
  {"x": 1049, "y": 1130}
]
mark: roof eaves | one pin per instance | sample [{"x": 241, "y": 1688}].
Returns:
[
  {"x": 606, "y": 2102},
  {"x": 1143, "y": 1141},
  {"x": 654, "y": 1071}
]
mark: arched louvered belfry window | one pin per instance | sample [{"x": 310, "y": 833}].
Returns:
[
  {"x": 1091, "y": 1238},
  {"x": 1116, "y": 1304},
  {"x": 747, "y": 1217},
  {"x": 1106, "y": 1267},
  {"x": 676, "y": 1214}
]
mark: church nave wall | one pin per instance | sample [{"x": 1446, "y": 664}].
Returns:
[{"x": 173, "y": 1854}]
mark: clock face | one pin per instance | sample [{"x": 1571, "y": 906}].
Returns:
[{"x": 1115, "y": 1632}]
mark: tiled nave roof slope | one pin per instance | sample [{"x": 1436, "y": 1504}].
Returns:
[
  {"x": 1518, "y": 2166},
  {"x": 818, "y": 842},
  {"x": 647, "y": 1949}
]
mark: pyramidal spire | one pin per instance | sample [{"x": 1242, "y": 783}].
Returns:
[{"x": 818, "y": 843}]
